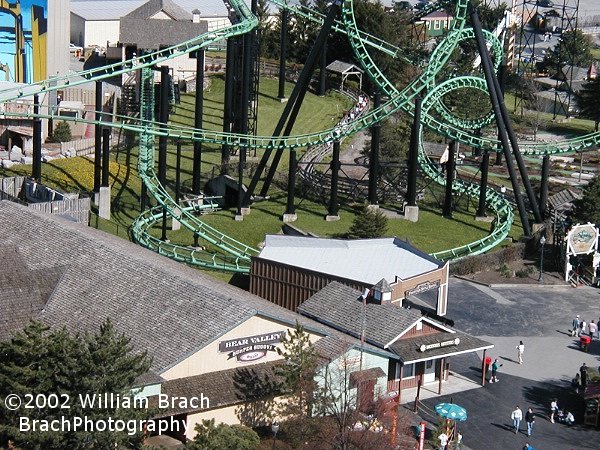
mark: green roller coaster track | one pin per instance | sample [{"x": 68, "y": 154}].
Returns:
[{"x": 228, "y": 254}]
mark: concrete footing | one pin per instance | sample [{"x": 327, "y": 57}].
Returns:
[
  {"x": 103, "y": 201},
  {"x": 175, "y": 224},
  {"x": 283, "y": 100},
  {"x": 373, "y": 207},
  {"x": 484, "y": 218},
  {"x": 332, "y": 218},
  {"x": 287, "y": 218},
  {"x": 411, "y": 213},
  {"x": 239, "y": 217},
  {"x": 245, "y": 211}
]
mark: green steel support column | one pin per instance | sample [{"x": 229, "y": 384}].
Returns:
[
  {"x": 411, "y": 192},
  {"x": 291, "y": 207},
  {"x": 178, "y": 173},
  {"x": 323, "y": 71},
  {"x": 283, "y": 53},
  {"x": 198, "y": 111},
  {"x": 374, "y": 154},
  {"x": 450, "y": 169},
  {"x": 544, "y": 184},
  {"x": 98, "y": 138},
  {"x": 162, "y": 140},
  {"x": 502, "y": 80},
  {"x": 36, "y": 170},
  {"x": 485, "y": 167},
  {"x": 335, "y": 173},
  {"x": 489, "y": 78},
  {"x": 228, "y": 100},
  {"x": 105, "y": 156}
]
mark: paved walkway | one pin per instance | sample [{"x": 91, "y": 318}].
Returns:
[{"x": 541, "y": 318}]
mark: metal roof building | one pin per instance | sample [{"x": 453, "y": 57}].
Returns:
[{"x": 290, "y": 269}]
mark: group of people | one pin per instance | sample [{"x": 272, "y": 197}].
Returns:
[
  {"x": 581, "y": 378},
  {"x": 558, "y": 415},
  {"x": 579, "y": 327},
  {"x": 517, "y": 417}
]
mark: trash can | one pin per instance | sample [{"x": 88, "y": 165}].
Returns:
[{"x": 584, "y": 343}]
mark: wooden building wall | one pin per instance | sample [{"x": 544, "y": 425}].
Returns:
[{"x": 289, "y": 286}]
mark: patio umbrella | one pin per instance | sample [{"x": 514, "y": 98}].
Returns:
[{"x": 451, "y": 411}]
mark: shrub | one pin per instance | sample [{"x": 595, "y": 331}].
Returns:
[
  {"x": 62, "y": 133},
  {"x": 368, "y": 223},
  {"x": 524, "y": 272},
  {"x": 504, "y": 271}
]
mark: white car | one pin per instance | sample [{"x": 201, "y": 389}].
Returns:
[{"x": 75, "y": 48}]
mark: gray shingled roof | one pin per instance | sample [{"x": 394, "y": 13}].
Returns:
[
  {"x": 341, "y": 307},
  {"x": 409, "y": 348},
  {"x": 20, "y": 303},
  {"x": 363, "y": 260},
  {"x": 138, "y": 28},
  {"x": 167, "y": 308},
  {"x": 343, "y": 67},
  {"x": 225, "y": 387},
  {"x": 151, "y": 7},
  {"x": 115, "y": 9}
]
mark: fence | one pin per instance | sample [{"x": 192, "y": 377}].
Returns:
[
  {"x": 80, "y": 147},
  {"x": 41, "y": 198}
]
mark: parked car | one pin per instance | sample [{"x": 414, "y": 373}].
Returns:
[{"x": 75, "y": 48}]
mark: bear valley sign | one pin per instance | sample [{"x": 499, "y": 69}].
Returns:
[{"x": 251, "y": 348}]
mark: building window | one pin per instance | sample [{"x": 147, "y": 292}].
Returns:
[
  {"x": 436, "y": 24},
  {"x": 429, "y": 364},
  {"x": 419, "y": 325},
  {"x": 408, "y": 371}
]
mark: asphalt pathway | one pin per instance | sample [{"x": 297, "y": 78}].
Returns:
[{"x": 541, "y": 317}]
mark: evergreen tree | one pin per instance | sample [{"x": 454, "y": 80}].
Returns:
[
  {"x": 589, "y": 101},
  {"x": 298, "y": 372},
  {"x": 368, "y": 223},
  {"x": 223, "y": 437},
  {"x": 59, "y": 367},
  {"x": 587, "y": 209},
  {"x": 575, "y": 48},
  {"x": 62, "y": 133}
]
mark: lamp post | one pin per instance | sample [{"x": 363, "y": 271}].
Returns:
[
  {"x": 274, "y": 429},
  {"x": 542, "y": 242}
]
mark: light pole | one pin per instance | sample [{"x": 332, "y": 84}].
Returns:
[
  {"x": 542, "y": 242},
  {"x": 274, "y": 429}
]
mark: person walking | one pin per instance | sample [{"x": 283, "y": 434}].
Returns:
[
  {"x": 529, "y": 420},
  {"x": 527, "y": 446},
  {"x": 575, "y": 326},
  {"x": 582, "y": 327},
  {"x": 443, "y": 437},
  {"x": 553, "y": 409},
  {"x": 520, "y": 351},
  {"x": 593, "y": 328},
  {"x": 517, "y": 416},
  {"x": 495, "y": 366}
]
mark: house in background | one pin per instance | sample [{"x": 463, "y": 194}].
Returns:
[
  {"x": 289, "y": 269},
  {"x": 437, "y": 23}
]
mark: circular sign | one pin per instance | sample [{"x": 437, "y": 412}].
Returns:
[{"x": 251, "y": 356}]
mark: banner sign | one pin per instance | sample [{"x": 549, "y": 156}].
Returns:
[
  {"x": 251, "y": 348},
  {"x": 448, "y": 343},
  {"x": 428, "y": 285}
]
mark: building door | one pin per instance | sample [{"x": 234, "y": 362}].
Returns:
[
  {"x": 365, "y": 394},
  {"x": 429, "y": 373}
]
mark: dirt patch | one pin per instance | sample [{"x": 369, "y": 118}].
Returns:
[{"x": 517, "y": 272}]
